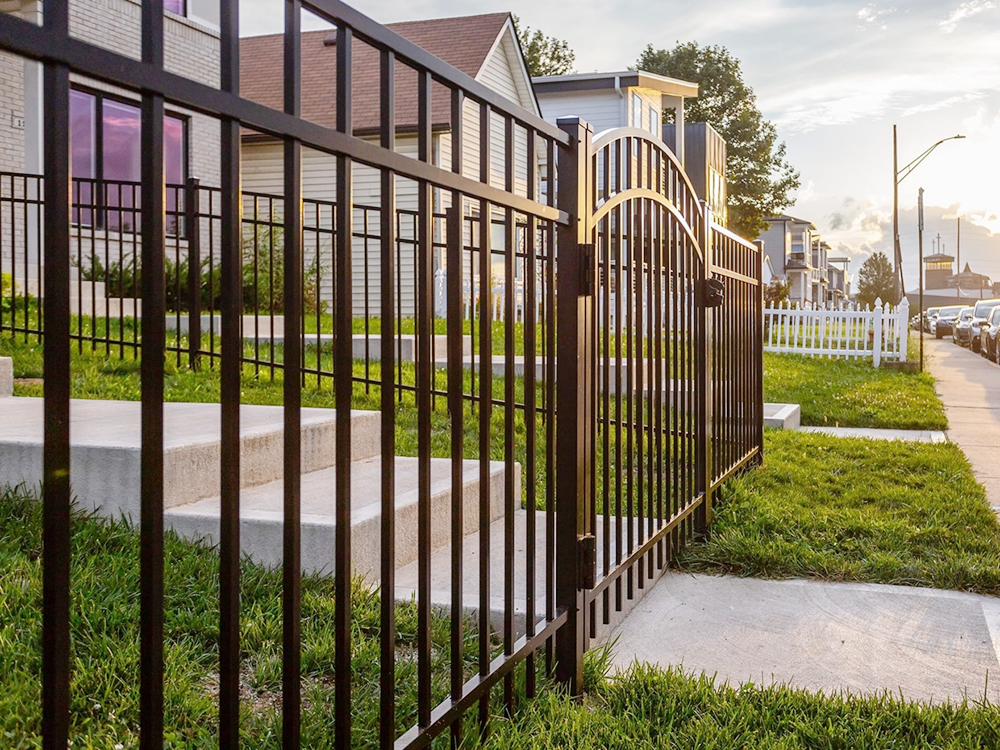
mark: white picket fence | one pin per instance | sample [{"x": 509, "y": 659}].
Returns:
[{"x": 876, "y": 334}]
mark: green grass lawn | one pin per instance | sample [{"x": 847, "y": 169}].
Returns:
[
  {"x": 859, "y": 510},
  {"x": 852, "y": 393},
  {"x": 105, "y": 633},
  {"x": 648, "y": 707}
]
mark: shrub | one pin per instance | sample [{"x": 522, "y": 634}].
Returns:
[{"x": 263, "y": 272}]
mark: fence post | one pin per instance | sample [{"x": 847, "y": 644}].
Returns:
[
  {"x": 193, "y": 231},
  {"x": 703, "y": 367},
  {"x": 574, "y": 401},
  {"x": 903, "y": 329},
  {"x": 877, "y": 333}
]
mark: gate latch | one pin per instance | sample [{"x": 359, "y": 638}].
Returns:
[
  {"x": 713, "y": 292},
  {"x": 587, "y": 549}
]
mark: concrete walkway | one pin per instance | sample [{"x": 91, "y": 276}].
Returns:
[
  {"x": 969, "y": 386},
  {"x": 929, "y": 644}
]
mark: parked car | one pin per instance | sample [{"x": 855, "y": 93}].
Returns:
[
  {"x": 929, "y": 316},
  {"x": 945, "y": 320},
  {"x": 980, "y": 310},
  {"x": 962, "y": 327},
  {"x": 988, "y": 334}
]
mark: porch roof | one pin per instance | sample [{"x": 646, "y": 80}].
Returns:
[{"x": 623, "y": 79}]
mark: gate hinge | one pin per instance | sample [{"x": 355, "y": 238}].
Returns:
[
  {"x": 587, "y": 270},
  {"x": 587, "y": 549}
]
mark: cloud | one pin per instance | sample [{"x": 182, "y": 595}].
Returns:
[
  {"x": 963, "y": 11},
  {"x": 871, "y": 17},
  {"x": 943, "y": 103}
]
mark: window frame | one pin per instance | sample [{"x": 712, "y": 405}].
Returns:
[{"x": 98, "y": 180}]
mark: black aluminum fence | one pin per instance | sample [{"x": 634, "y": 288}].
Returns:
[
  {"x": 460, "y": 314},
  {"x": 106, "y": 274}
]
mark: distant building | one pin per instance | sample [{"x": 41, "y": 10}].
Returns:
[
  {"x": 937, "y": 271},
  {"x": 637, "y": 99},
  {"x": 798, "y": 256},
  {"x": 942, "y": 286},
  {"x": 968, "y": 279},
  {"x": 705, "y": 162}
]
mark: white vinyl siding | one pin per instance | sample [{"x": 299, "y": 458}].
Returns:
[{"x": 263, "y": 172}]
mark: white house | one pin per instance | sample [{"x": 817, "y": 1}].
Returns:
[{"x": 637, "y": 99}]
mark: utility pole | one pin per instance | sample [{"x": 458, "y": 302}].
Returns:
[
  {"x": 920, "y": 244},
  {"x": 901, "y": 287},
  {"x": 958, "y": 253}
]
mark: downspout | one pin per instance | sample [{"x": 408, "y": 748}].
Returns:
[{"x": 623, "y": 112}]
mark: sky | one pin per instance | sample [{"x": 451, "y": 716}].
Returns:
[{"x": 834, "y": 77}]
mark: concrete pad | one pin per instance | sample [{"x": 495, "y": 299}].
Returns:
[
  {"x": 931, "y": 645},
  {"x": 917, "y": 436},
  {"x": 442, "y": 570},
  {"x": 262, "y": 514},
  {"x": 6, "y": 377},
  {"x": 106, "y": 442},
  {"x": 782, "y": 416}
]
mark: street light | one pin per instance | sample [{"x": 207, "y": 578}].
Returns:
[{"x": 898, "y": 175}]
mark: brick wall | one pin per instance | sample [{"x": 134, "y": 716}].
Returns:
[{"x": 190, "y": 49}]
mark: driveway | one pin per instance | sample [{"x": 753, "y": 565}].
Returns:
[{"x": 969, "y": 386}]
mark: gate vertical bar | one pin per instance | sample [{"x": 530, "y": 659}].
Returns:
[
  {"x": 55, "y": 488},
  {"x": 343, "y": 386},
  {"x": 456, "y": 407},
  {"x": 485, "y": 407},
  {"x": 291, "y": 659},
  {"x": 153, "y": 341},
  {"x": 510, "y": 259},
  {"x": 574, "y": 425},
  {"x": 387, "y": 230},
  {"x": 230, "y": 369},
  {"x": 424, "y": 382}
]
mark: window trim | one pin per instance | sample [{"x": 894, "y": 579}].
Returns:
[{"x": 98, "y": 178}]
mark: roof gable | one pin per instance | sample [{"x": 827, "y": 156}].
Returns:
[{"x": 464, "y": 43}]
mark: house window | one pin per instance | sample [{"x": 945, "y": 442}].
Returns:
[
  {"x": 175, "y": 6},
  {"x": 654, "y": 122},
  {"x": 636, "y": 111},
  {"x": 106, "y": 159}
]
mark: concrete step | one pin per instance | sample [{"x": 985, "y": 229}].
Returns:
[
  {"x": 441, "y": 574},
  {"x": 105, "y": 452},
  {"x": 261, "y": 514}
]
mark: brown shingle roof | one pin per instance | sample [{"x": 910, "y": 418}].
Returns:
[{"x": 463, "y": 42}]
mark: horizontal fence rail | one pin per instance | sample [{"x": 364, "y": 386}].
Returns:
[{"x": 560, "y": 372}]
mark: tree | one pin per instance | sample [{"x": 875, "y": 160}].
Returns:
[
  {"x": 876, "y": 281},
  {"x": 544, "y": 55},
  {"x": 759, "y": 178},
  {"x": 776, "y": 293}
]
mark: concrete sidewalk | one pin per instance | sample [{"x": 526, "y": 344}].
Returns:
[
  {"x": 969, "y": 386},
  {"x": 929, "y": 644}
]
